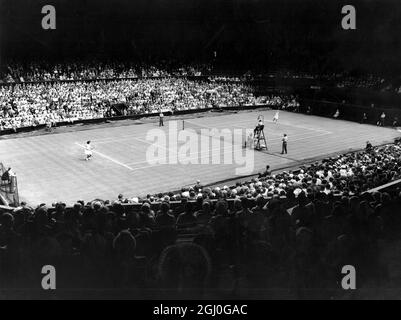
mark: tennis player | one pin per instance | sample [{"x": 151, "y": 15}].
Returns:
[
  {"x": 88, "y": 151},
  {"x": 275, "y": 119}
]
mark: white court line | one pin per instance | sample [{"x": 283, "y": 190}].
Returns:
[{"x": 106, "y": 157}]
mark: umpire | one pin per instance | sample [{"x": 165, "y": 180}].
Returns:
[{"x": 285, "y": 142}]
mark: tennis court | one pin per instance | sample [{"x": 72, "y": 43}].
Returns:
[{"x": 52, "y": 167}]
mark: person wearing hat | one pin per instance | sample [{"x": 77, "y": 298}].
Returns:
[{"x": 285, "y": 142}]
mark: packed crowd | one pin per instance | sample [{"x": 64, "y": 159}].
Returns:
[
  {"x": 94, "y": 70},
  {"x": 33, "y": 104},
  {"x": 39, "y": 71},
  {"x": 27, "y": 104},
  {"x": 292, "y": 230},
  {"x": 349, "y": 175}
]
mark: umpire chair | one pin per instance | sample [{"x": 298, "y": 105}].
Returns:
[{"x": 260, "y": 139}]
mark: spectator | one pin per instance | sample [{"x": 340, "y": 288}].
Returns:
[
  {"x": 164, "y": 218},
  {"x": 369, "y": 146},
  {"x": 186, "y": 219},
  {"x": 265, "y": 174},
  {"x": 382, "y": 120},
  {"x": 204, "y": 215},
  {"x": 147, "y": 217},
  {"x": 364, "y": 118},
  {"x": 43, "y": 103}
]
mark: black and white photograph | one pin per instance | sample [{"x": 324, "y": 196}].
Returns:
[{"x": 200, "y": 155}]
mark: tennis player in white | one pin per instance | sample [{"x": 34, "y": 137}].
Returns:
[
  {"x": 88, "y": 151},
  {"x": 275, "y": 119}
]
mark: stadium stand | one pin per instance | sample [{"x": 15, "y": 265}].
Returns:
[
  {"x": 39, "y": 94},
  {"x": 36, "y": 104}
]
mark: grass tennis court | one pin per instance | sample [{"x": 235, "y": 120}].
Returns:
[{"x": 52, "y": 167}]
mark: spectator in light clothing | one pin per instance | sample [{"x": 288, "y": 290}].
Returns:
[
  {"x": 382, "y": 120},
  {"x": 337, "y": 114}
]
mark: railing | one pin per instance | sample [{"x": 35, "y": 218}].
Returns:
[
  {"x": 8, "y": 189},
  {"x": 392, "y": 187}
]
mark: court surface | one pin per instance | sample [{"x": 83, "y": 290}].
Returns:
[{"x": 52, "y": 167}]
